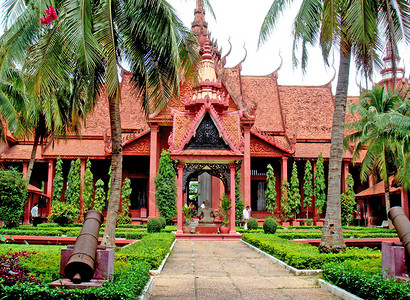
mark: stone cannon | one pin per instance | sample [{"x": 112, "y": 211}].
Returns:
[
  {"x": 401, "y": 222},
  {"x": 80, "y": 266}
]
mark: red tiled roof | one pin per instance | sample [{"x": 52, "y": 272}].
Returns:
[
  {"x": 231, "y": 124},
  {"x": 76, "y": 147},
  {"x": 308, "y": 111},
  {"x": 35, "y": 190},
  {"x": 20, "y": 152},
  {"x": 312, "y": 150},
  {"x": 378, "y": 189}
]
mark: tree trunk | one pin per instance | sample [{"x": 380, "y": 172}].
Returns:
[
  {"x": 332, "y": 234},
  {"x": 116, "y": 174},
  {"x": 387, "y": 201},
  {"x": 33, "y": 156}
]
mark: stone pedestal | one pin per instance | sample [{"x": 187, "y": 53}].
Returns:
[
  {"x": 394, "y": 261},
  {"x": 104, "y": 263},
  {"x": 206, "y": 229}
]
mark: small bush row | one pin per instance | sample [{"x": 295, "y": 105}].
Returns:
[
  {"x": 365, "y": 280},
  {"x": 156, "y": 224},
  {"x": 303, "y": 256}
]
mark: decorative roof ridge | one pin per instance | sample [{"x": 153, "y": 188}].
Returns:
[
  {"x": 223, "y": 132},
  {"x": 239, "y": 65},
  {"x": 133, "y": 136},
  {"x": 272, "y": 141}
]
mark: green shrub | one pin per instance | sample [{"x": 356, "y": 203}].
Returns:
[
  {"x": 364, "y": 281},
  {"x": 49, "y": 224},
  {"x": 270, "y": 225},
  {"x": 252, "y": 224},
  {"x": 154, "y": 225},
  {"x": 63, "y": 213},
  {"x": 163, "y": 222},
  {"x": 13, "y": 197}
]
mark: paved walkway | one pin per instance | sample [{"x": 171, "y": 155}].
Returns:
[{"x": 229, "y": 270}]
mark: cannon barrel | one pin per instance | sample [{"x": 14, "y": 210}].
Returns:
[
  {"x": 401, "y": 222},
  {"x": 80, "y": 265}
]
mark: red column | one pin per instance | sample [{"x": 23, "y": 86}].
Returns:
[
  {"x": 180, "y": 196},
  {"x": 232, "y": 217},
  {"x": 246, "y": 178},
  {"x": 153, "y": 168},
  {"x": 404, "y": 201},
  {"x": 82, "y": 172},
  {"x": 25, "y": 167},
  {"x": 50, "y": 178},
  {"x": 344, "y": 177},
  {"x": 284, "y": 166}
]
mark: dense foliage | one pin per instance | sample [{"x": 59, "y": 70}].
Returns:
[
  {"x": 239, "y": 205},
  {"x": 166, "y": 192},
  {"x": 154, "y": 225},
  {"x": 270, "y": 192},
  {"x": 253, "y": 224},
  {"x": 13, "y": 196},
  {"x": 58, "y": 181},
  {"x": 307, "y": 188},
  {"x": 88, "y": 187},
  {"x": 347, "y": 202},
  {"x": 63, "y": 213},
  {"x": 223, "y": 210},
  {"x": 72, "y": 193},
  {"x": 294, "y": 191},
  {"x": 124, "y": 216},
  {"x": 319, "y": 184},
  {"x": 286, "y": 212},
  {"x": 11, "y": 271},
  {"x": 99, "y": 198}
]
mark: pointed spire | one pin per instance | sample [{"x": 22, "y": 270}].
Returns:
[
  {"x": 199, "y": 26},
  {"x": 391, "y": 73}
]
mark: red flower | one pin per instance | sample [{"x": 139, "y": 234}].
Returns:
[{"x": 52, "y": 15}]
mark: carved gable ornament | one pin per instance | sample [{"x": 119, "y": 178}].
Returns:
[{"x": 207, "y": 136}]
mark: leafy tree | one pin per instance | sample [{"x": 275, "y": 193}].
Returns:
[
  {"x": 239, "y": 206},
  {"x": 88, "y": 187},
  {"x": 320, "y": 186},
  {"x": 307, "y": 188},
  {"x": 72, "y": 193},
  {"x": 270, "y": 192},
  {"x": 124, "y": 217},
  {"x": 166, "y": 191},
  {"x": 88, "y": 41},
  {"x": 58, "y": 182},
  {"x": 285, "y": 202},
  {"x": 63, "y": 213},
  {"x": 373, "y": 132},
  {"x": 13, "y": 196},
  {"x": 348, "y": 202},
  {"x": 99, "y": 198},
  {"x": 356, "y": 29},
  {"x": 294, "y": 192}
]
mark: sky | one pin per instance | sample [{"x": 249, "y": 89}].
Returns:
[{"x": 241, "y": 21}]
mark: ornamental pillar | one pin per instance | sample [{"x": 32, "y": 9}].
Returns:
[
  {"x": 153, "y": 169},
  {"x": 25, "y": 167},
  {"x": 345, "y": 173},
  {"x": 284, "y": 166},
  {"x": 246, "y": 178},
  {"x": 404, "y": 201},
  {"x": 232, "y": 216},
  {"x": 50, "y": 179},
  {"x": 180, "y": 196}
]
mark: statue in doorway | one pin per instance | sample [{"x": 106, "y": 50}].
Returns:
[{"x": 207, "y": 214}]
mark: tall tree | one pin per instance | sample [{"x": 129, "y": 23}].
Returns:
[
  {"x": 58, "y": 182},
  {"x": 270, "y": 192},
  {"x": 284, "y": 201},
  {"x": 355, "y": 27},
  {"x": 348, "y": 202},
  {"x": 72, "y": 192},
  {"x": 238, "y": 198},
  {"x": 85, "y": 45},
  {"x": 88, "y": 187},
  {"x": 372, "y": 131},
  {"x": 319, "y": 184},
  {"x": 307, "y": 188}
]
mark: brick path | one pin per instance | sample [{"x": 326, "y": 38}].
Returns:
[{"x": 229, "y": 270}]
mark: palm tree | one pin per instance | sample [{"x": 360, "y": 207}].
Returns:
[
  {"x": 352, "y": 26},
  {"x": 91, "y": 38},
  {"x": 372, "y": 131}
]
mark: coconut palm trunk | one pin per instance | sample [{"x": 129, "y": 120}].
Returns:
[
  {"x": 387, "y": 200},
  {"x": 332, "y": 235},
  {"x": 32, "y": 156},
  {"x": 116, "y": 173}
]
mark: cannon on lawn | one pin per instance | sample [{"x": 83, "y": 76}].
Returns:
[
  {"x": 402, "y": 224},
  {"x": 80, "y": 266}
]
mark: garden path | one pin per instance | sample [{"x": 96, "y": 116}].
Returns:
[{"x": 229, "y": 270}]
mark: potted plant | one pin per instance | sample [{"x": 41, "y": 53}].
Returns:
[
  {"x": 186, "y": 210},
  {"x": 223, "y": 212}
]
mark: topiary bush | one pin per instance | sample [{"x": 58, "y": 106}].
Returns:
[
  {"x": 63, "y": 213},
  {"x": 252, "y": 224},
  {"x": 270, "y": 226},
  {"x": 163, "y": 222},
  {"x": 154, "y": 225}
]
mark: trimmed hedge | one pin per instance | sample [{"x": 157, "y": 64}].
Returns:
[
  {"x": 152, "y": 249},
  {"x": 303, "y": 256},
  {"x": 364, "y": 281}
]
